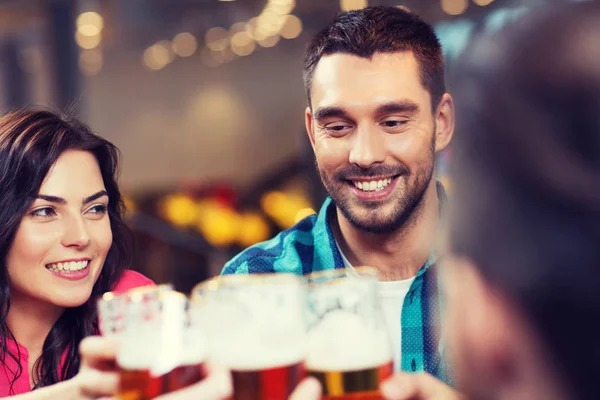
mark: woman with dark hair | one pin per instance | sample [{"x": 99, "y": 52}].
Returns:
[{"x": 63, "y": 243}]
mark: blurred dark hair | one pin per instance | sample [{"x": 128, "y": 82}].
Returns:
[
  {"x": 380, "y": 29},
  {"x": 30, "y": 143},
  {"x": 527, "y": 176}
]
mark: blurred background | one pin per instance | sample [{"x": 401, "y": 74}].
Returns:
[{"x": 205, "y": 100}]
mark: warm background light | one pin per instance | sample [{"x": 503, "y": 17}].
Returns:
[
  {"x": 482, "y": 3},
  {"x": 454, "y": 7},
  {"x": 269, "y": 41},
  {"x": 349, "y": 5},
  {"x": 184, "y": 44},
  {"x": 217, "y": 38},
  {"x": 292, "y": 27}
]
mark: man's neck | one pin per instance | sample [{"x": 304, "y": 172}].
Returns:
[
  {"x": 397, "y": 255},
  {"x": 30, "y": 321}
]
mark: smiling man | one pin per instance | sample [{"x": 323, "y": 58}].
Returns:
[{"x": 377, "y": 114}]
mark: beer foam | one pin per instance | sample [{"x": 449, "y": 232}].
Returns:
[
  {"x": 137, "y": 355},
  {"x": 255, "y": 353},
  {"x": 193, "y": 349},
  {"x": 343, "y": 342},
  {"x": 256, "y": 329}
]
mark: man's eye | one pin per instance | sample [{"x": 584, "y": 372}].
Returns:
[{"x": 394, "y": 123}]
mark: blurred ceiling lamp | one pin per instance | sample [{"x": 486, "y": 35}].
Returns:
[
  {"x": 269, "y": 41},
  {"x": 224, "y": 56},
  {"x": 157, "y": 56},
  {"x": 217, "y": 38},
  {"x": 168, "y": 49},
  {"x": 220, "y": 225},
  {"x": 482, "y": 3},
  {"x": 244, "y": 50},
  {"x": 242, "y": 44},
  {"x": 281, "y": 6},
  {"x": 253, "y": 26},
  {"x": 253, "y": 229},
  {"x": 454, "y": 7},
  {"x": 285, "y": 208},
  {"x": 241, "y": 39},
  {"x": 349, "y": 5},
  {"x": 90, "y": 62},
  {"x": 259, "y": 35},
  {"x": 303, "y": 213},
  {"x": 271, "y": 200},
  {"x": 292, "y": 27},
  {"x": 239, "y": 27},
  {"x": 88, "y": 30},
  {"x": 270, "y": 23},
  {"x": 179, "y": 210},
  {"x": 184, "y": 44},
  {"x": 87, "y": 42},
  {"x": 209, "y": 59},
  {"x": 90, "y": 18}
]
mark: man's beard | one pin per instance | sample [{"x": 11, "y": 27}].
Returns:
[{"x": 405, "y": 204}]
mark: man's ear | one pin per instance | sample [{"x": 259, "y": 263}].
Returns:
[
  {"x": 444, "y": 122},
  {"x": 308, "y": 120}
]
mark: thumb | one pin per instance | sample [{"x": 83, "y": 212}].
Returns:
[
  {"x": 421, "y": 386},
  {"x": 400, "y": 386},
  {"x": 308, "y": 389}
]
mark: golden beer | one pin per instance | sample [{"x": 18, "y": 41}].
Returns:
[
  {"x": 362, "y": 384},
  {"x": 256, "y": 329},
  {"x": 349, "y": 350},
  {"x": 142, "y": 385},
  {"x": 161, "y": 348},
  {"x": 138, "y": 385}
]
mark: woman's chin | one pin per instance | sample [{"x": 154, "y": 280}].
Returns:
[{"x": 72, "y": 300}]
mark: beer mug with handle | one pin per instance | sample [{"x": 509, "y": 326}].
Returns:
[
  {"x": 349, "y": 349},
  {"x": 256, "y": 328}
]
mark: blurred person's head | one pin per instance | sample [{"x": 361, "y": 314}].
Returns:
[
  {"x": 523, "y": 282},
  {"x": 63, "y": 240},
  {"x": 377, "y": 113}
]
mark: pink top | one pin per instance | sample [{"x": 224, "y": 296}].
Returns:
[{"x": 129, "y": 280}]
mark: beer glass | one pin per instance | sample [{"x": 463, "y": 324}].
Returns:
[
  {"x": 256, "y": 328},
  {"x": 349, "y": 350},
  {"x": 161, "y": 348},
  {"x": 111, "y": 312},
  {"x": 111, "y": 308}
]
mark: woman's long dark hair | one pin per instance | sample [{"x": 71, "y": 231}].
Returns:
[{"x": 30, "y": 143}]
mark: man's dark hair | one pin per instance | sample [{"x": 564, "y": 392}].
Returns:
[
  {"x": 380, "y": 30},
  {"x": 527, "y": 179}
]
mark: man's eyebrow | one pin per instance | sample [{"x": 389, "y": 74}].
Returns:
[
  {"x": 398, "y": 106},
  {"x": 328, "y": 112}
]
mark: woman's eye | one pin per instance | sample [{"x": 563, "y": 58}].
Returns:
[
  {"x": 45, "y": 212},
  {"x": 100, "y": 209}
]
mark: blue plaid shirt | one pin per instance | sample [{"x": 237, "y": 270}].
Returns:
[{"x": 310, "y": 246}]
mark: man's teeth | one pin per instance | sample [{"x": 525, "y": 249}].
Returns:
[
  {"x": 68, "y": 266},
  {"x": 372, "y": 186}
]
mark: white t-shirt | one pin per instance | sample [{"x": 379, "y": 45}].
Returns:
[{"x": 391, "y": 295}]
